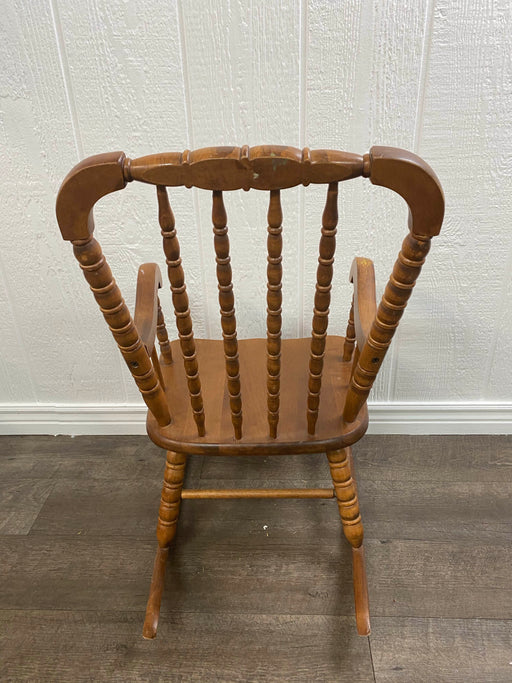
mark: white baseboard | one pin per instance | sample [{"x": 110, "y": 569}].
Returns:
[{"x": 385, "y": 418}]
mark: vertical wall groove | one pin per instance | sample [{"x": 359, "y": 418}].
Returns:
[
  {"x": 17, "y": 330},
  {"x": 491, "y": 355},
  {"x": 418, "y": 123},
  {"x": 66, "y": 77},
  {"x": 73, "y": 115},
  {"x": 191, "y": 143},
  {"x": 302, "y": 141}
]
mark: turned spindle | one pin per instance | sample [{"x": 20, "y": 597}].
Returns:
[
  {"x": 274, "y": 301},
  {"x": 322, "y": 302},
  {"x": 181, "y": 306},
  {"x": 227, "y": 310}
]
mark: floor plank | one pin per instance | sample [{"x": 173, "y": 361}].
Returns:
[
  {"x": 434, "y": 458},
  {"x": 203, "y": 576},
  {"x": 100, "y": 646},
  {"x": 451, "y": 650},
  {"x": 20, "y": 503},
  {"x": 387, "y": 458},
  {"x": 255, "y": 589},
  {"x": 258, "y": 575},
  {"x": 449, "y": 580}
]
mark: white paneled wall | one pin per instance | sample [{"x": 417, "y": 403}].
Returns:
[{"x": 79, "y": 77}]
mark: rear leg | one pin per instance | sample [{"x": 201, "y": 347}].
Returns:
[
  {"x": 340, "y": 463},
  {"x": 165, "y": 531}
]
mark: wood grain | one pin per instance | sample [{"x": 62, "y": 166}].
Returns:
[
  {"x": 406, "y": 578},
  {"x": 107, "y": 646},
  {"x": 293, "y": 436},
  {"x": 21, "y": 502},
  {"x": 455, "y": 650},
  {"x": 284, "y": 586}
]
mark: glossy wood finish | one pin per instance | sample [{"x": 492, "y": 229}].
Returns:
[
  {"x": 280, "y": 415},
  {"x": 274, "y": 301},
  {"x": 108, "y": 296},
  {"x": 181, "y": 307},
  {"x": 322, "y": 301},
  {"x": 165, "y": 531},
  {"x": 163, "y": 338},
  {"x": 267, "y": 167},
  {"x": 364, "y": 308},
  {"x": 409, "y": 176},
  {"x": 292, "y": 436},
  {"x": 341, "y": 466},
  {"x": 350, "y": 335},
  {"x": 227, "y": 310},
  {"x": 228, "y": 494},
  {"x": 149, "y": 281}
]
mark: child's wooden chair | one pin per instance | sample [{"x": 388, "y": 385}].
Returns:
[{"x": 256, "y": 396}]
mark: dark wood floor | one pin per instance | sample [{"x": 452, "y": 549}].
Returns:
[{"x": 255, "y": 590}]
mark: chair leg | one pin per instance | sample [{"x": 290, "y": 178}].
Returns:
[
  {"x": 340, "y": 463},
  {"x": 166, "y": 529}
]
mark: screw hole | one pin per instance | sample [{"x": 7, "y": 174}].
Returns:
[
  {"x": 134, "y": 364},
  {"x": 375, "y": 360}
]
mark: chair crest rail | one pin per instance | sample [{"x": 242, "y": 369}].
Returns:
[{"x": 267, "y": 167}]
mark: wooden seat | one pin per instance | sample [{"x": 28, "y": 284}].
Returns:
[
  {"x": 292, "y": 437},
  {"x": 256, "y": 396}
]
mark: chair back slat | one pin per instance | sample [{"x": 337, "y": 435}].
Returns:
[
  {"x": 322, "y": 302},
  {"x": 274, "y": 301},
  {"x": 227, "y": 310},
  {"x": 181, "y": 306}
]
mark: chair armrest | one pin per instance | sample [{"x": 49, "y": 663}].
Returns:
[
  {"x": 149, "y": 280},
  {"x": 362, "y": 275}
]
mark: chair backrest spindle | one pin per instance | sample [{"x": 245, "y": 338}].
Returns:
[
  {"x": 274, "y": 301},
  {"x": 322, "y": 302},
  {"x": 181, "y": 306},
  {"x": 227, "y": 309}
]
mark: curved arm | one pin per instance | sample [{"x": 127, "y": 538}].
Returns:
[
  {"x": 414, "y": 180},
  {"x": 87, "y": 182},
  {"x": 149, "y": 281},
  {"x": 362, "y": 274}
]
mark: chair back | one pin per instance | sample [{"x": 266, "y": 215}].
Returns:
[{"x": 270, "y": 169}]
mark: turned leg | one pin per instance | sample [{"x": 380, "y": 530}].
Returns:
[
  {"x": 166, "y": 529},
  {"x": 340, "y": 463}
]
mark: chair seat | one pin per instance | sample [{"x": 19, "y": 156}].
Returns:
[{"x": 292, "y": 435}]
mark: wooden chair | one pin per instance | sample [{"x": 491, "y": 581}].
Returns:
[{"x": 256, "y": 396}]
